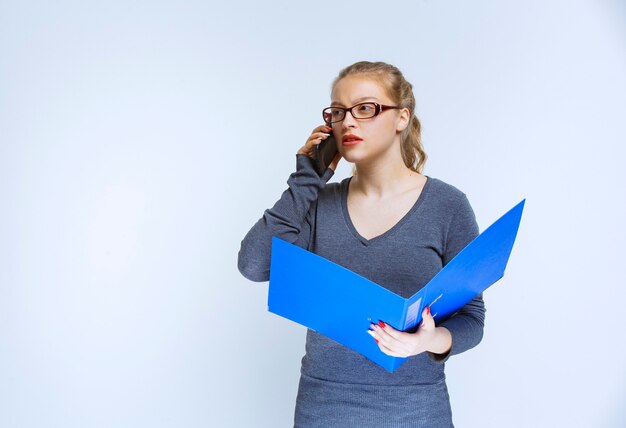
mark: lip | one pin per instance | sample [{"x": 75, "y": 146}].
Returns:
[{"x": 350, "y": 140}]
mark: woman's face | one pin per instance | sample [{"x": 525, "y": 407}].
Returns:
[{"x": 378, "y": 135}]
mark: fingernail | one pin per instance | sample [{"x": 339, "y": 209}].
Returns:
[
  {"x": 382, "y": 324},
  {"x": 376, "y": 340},
  {"x": 428, "y": 310},
  {"x": 371, "y": 333}
]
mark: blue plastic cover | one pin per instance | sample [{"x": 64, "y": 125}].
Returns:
[{"x": 341, "y": 304}]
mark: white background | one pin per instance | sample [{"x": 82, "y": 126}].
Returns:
[{"x": 139, "y": 141}]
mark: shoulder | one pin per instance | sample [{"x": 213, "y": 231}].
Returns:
[
  {"x": 446, "y": 197},
  {"x": 456, "y": 216},
  {"x": 333, "y": 189}
]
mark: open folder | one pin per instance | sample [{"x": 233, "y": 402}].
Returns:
[{"x": 341, "y": 304}]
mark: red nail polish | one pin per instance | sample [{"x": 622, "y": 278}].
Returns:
[
  {"x": 428, "y": 310},
  {"x": 376, "y": 340},
  {"x": 382, "y": 324}
]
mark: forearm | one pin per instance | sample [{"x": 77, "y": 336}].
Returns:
[
  {"x": 286, "y": 220},
  {"x": 466, "y": 325},
  {"x": 465, "y": 328}
]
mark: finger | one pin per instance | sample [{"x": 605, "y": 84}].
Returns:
[
  {"x": 397, "y": 341},
  {"x": 391, "y": 352},
  {"x": 319, "y": 135},
  {"x": 323, "y": 128},
  {"x": 310, "y": 145},
  {"x": 389, "y": 330},
  {"x": 316, "y": 139},
  {"x": 384, "y": 337},
  {"x": 390, "y": 346},
  {"x": 382, "y": 346},
  {"x": 313, "y": 142}
]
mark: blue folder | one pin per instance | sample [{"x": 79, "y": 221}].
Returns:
[{"x": 341, "y": 304}]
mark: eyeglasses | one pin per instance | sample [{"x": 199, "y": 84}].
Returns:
[{"x": 359, "y": 111}]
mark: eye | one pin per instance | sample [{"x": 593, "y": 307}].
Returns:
[
  {"x": 336, "y": 112},
  {"x": 366, "y": 108}
]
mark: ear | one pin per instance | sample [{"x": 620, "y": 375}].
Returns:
[{"x": 404, "y": 118}]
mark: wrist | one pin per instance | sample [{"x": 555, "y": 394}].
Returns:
[{"x": 442, "y": 341}]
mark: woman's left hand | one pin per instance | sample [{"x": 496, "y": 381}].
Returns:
[{"x": 400, "y": 344}]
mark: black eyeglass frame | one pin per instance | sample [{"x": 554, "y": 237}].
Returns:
[{"x": 378, "y": 109}]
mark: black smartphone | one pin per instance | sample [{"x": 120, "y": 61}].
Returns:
[{"x": 324, "y": 154}]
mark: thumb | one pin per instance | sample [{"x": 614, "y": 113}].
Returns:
[
  {"x": 428, "y": 322},
  {"x": 333, "y": 164}
]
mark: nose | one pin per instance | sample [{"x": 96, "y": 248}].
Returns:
[{"x": 348, "y": 121}]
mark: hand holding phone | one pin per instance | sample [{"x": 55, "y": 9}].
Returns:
[{"x": 324, "y": 153}]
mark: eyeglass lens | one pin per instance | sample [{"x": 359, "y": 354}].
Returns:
[{"x": 359, "y": 111}]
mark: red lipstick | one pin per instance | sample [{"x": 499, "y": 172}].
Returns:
[{"x": 350, "y": 140}]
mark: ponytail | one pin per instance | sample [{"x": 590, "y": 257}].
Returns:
[{"x": 413, "y": 152}]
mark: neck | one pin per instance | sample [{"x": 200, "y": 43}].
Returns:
[{"x": 383, "y": 177}]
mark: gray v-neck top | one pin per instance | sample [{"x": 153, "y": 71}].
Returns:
[
  {"x": 313, "y": 214},
  {"x": 345, "y": 185}
]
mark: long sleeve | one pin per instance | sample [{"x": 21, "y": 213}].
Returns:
[
  {"x": 289, "y": 219},
  {"x": 466, "y": 325}
]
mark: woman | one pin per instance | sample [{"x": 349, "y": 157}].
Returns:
[{"x": 388, "y": 223}]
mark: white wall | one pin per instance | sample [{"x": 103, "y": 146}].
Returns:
[{"x": 139, "y": 141}]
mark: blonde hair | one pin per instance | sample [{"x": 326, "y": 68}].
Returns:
[{"x": 401, "y": 93}]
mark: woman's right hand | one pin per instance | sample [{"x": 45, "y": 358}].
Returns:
[{"x": 318, "y": 135}]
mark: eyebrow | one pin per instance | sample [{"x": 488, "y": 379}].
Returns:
[{"x": 358, "y": 100}]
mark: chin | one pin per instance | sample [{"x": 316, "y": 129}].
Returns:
[
  {"x": 351, "y": 152},
  {"x": 354, "y": 156},
  {"x": 351, "y": 159}
]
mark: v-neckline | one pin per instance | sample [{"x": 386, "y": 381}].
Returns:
[{"x": 346, "y": 215}]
